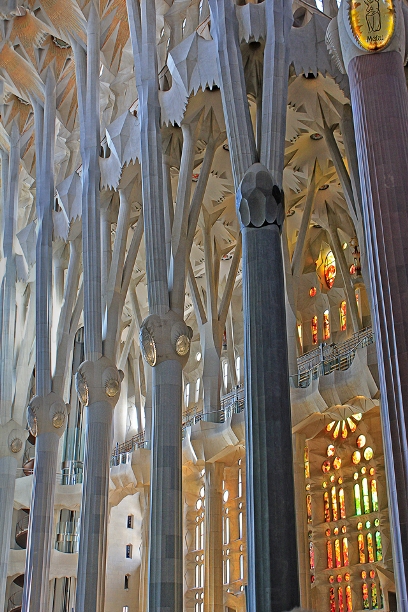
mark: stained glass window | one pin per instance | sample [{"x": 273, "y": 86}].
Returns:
[
  {"x": 366, "y": 497},
  {"x": 343, "y": 430},
  {"x": 329, "y": 549},
  {"x": 336, "y": 431},
  {"x": 343, "y": 316},
  {"x": 326, "y": 507},
  {"x": 378, "y": 546},
  {"x": 342, "y": 504},
  {"x": 345, "y": 552},
  {"x": 366, "y": 603},
  {"x": 370, "y": 548},
  {"x": 356, "y": 457},
  {"x": 352, "y": 424},
  {"x": 349, "y": 602},
  {"x": 309, "y": 508},
  {"x": 357, "y": 498},
  {"x": 330, "y": 269},
  {"x": 306, "y": 461},
  {"x": 332, "y": 600},
  {"x": 337, "y": 553},
  {"x": 311, "y": 556},
  {"x": 374, "y": 598},
  {"x": 330, "y": 450},
  {"x": 340, "y": 599},
  {"x": 326, "y": 325},
  {"x": 300, "y": 335},
  {"x": 368, "y": 453},
  {"x": 326, "y": 466},
  {"x": 334, "y": 504},
  {"x": 374, "y": 495},
  {"x": 337, "y": 463},
  {"x": 361, "y": 553},
  {"x": 361, "y": 440},
  {"x": 314, "y": 330}
]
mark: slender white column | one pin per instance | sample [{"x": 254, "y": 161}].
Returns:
[{"x": 213, "y": 578}]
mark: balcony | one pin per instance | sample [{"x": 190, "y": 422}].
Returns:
[
  {"x": 22, "y": 531},
  {"x": 67, "y": 540},
  {"x": 15, "y": 602}
]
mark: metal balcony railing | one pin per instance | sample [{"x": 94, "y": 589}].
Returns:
[
  {"x": 319, "y": 362},
  {"x": 67, "y": 539}
]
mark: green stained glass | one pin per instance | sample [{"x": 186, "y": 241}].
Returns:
[
  {"x": 366, "y": 602},
  {"x": 374, "y": 495},
  {"x": 357, "y": 499},
  {"x": 374, "y": 598},
  {"x": 366, "y": 497},
  {"x": 378, "y": 546}
]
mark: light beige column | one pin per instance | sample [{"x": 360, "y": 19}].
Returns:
[{"x": 213, "y": 578}]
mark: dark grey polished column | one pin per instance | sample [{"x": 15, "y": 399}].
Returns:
[{"x": 380, "y": 108}]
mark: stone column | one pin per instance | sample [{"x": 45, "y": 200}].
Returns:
[
  {"x": 11, "y": 450},
  {"x": 46, "y": 418},
  {"x": 213, "y": 577},
  {"x": 379, "y": 101},
  {"x": 271, "y": 526}
]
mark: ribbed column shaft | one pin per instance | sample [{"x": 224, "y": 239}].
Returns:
[
  {"x": 213, "y": 577},
  {"x": 37, "y": 570},
  {"x": 8, "y": 467},
  {"x": 380, "y": 108},
  {"x": 166, "y": 518},
  {"x": 94, "y": 509},
  {"x": 144, "y": 569},
  {"x": 271, "y": 525}
]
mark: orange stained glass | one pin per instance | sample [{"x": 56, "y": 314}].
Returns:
[
  {"x": 340, "y": 599},
  {"x": 314, "y": 330},
  {"x": 326, "y": 325},
  {"x": 334, "y": 504},
  {"x": 370, "y": 547},
  {"x": 326, "y": 466},
  {"x": 330, "y": 426},
  {"x": 300, "y": 334},
  {"x": 356, "y": 457},
  {"x": 312, "y": 291},
  {"x": 349, "y": 602},
  {"x": 309, "y": 508},
  {"x": 374, "y": 495},
  {"x": 337, "y": 463},
  {"x": 330, "y": 269},
  {"x": 332, "y": 600},
  {"x": 326, "y": 506},
  {"x": 342, "y": 504},
  {"x": 345, "y": 552},
  {"x": 361, "y": 552},
  {"x": 343, "y": 316},
  {"x": 366, "y": 602},
  {"x": 351, "y": 424},
  {"x": 344, "y": 431},
  {"x": 336, "y": 431},
  {"x": 368, "y": 453},
  {"x": 306, "y": 461},
  {"x": 337, "y": 554},
  {"x": 330, "y": 450},
  {"x": 329, "y": 549}
]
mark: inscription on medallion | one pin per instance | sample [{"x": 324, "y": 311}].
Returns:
[{"x": 372, "y": 23}]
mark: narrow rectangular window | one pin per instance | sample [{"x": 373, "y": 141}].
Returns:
[
  {"x": 126, "y": 582},
  {"x": 240, "y": 526},
  {"x": 128, "y": 551},
  {"x": 130, "y": 521}
]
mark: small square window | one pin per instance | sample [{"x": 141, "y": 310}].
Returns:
[
  {"x": 130, "y": 521},
  {"x": 128, "y": 551}
]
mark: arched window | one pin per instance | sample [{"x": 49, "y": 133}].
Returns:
[
  {"x": 197, "y": 390},
  {"x": 314, "y": 330},
  {"x": 187, "y": 394},
  {"x": 238, "y": 369},
  {"x": 330, "y": 269},
  {"x": 225, "y": 374},
  {"x": 343, "y": 316},
  {"x": 326, "y": 325}
]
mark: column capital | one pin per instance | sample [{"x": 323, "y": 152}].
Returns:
[
  {"x": 12, "y": 440},
  {"x": 259, "y": 201},
  {"x": 165, "y": 337},
  {"x": 98, "y": 381},
  {"x": 364, "y": 28},
  {"x": 46, "y": 414}
]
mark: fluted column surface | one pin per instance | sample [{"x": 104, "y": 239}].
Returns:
[
  {"x": 380, "y": 108},
  {"x": 213, "y": 579},
  {"x": 8, "y": 466}
]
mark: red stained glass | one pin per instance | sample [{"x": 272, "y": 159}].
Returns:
[
  {"x": 342, "y": 504},
  {"x": 336, "y": 431},
  {"x": 340, "y": 599},
  {"x": 334, "y": 504},
  {"x": 345, "y": 552},
  {"x": 314, "y": 330},
  {"x": 326, "y": 507},
  {"x": 311, "y": 556},
  {"x": 330, "y": 269},
  {"x": 344, "y": 431},
  {"x": 337, "y": 553},
  {"x": 366, "y": 603},
  {"x": 312, "y": 291},
  {"x": 349, "y": 602},
  {"x": 370, "y": 548},
  {"x": 306, "y": 461},
  {"x": 309, "y": 508},
  {"x": 329, "y": 549},
  {"x": 332, "y": 600},
  {"x": 343, "y": 316},
  {"x": 361, "y": 552}
]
